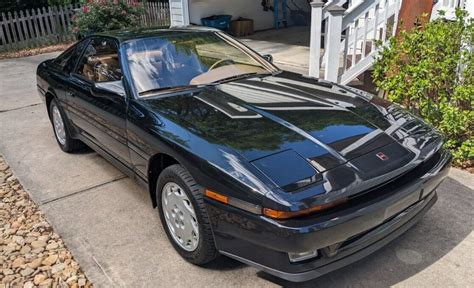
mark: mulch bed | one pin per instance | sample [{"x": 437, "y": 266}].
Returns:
[
  {"x": 34, "y": 51},
  {"x": 467, "y": 165}
]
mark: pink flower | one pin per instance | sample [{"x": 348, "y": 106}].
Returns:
[
  {"x": 85, "y": 9},
  {"x": 123, "y": 12}
]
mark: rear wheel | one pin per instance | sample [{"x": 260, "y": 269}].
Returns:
[
  {"x": 183, "y": 215},
  {"x": 61, "y": 131}
]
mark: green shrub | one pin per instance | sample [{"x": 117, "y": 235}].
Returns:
[
  {"x": 105, "y": 15},
  {"x": 16, "y": 5},
  {"x": 59, "y": 2},
  {"x": 430, "y": 71}
]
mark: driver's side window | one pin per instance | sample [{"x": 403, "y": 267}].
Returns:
[{"x": 100, "y": 61}]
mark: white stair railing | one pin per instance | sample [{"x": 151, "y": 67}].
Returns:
[
  {"x": 448, "y": 6},
  {"x": 350, "y": 36}
]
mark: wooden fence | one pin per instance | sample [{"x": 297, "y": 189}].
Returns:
[
  {"x": 156, "y": 14},
  {"x": 52, "y": 25}
]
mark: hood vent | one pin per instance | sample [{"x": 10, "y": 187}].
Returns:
[{"x": 288, "y": 170}]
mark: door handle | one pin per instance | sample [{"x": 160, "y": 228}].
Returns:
[{"x": 70, "y": 93}]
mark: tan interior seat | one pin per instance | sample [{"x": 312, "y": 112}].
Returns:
[
  {"x": 96, "y": 67},
  {"x": 88, "y": 72}
]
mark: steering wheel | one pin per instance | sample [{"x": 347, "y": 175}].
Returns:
[{"x": 220, "y": 62}]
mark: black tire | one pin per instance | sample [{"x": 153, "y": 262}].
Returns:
[
  {"x": 70, "y": 145},
  {"x": 206, "y": 249}
]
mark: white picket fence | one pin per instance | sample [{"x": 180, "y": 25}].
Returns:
[
  {"x": 156, "y": 14},
  {"x": 51, "y": 25}
]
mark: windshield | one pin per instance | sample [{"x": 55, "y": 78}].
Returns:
[{"x": 184, "y": 59}]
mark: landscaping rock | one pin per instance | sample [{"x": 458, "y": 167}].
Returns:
[
  {"x": 39, "y": 278},
  {"x": 7, "y": 271},
  {"x": 35, "y": 263},
  {"x": 46, "y": 283},
  {"x": 18, "y": 239},
  {"x": 26, "y": 272},
  {"x": 50, "y": 260},
  {"x": 52, "y": 246},
  {"x": 8, "y": 279},
  {"x": 25, "y": 249},
  {"x": 31, "y": 254},
  {"x": 38, "y": 244},
  {"x": 58, "y": 268},
  {"x": 18, "y": 262}
]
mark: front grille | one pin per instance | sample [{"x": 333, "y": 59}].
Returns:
[
  {"x": 390, "y": 187},
  {"x": 382, "y": 191},
  {"x": 386, "y": 189},
  {"x": 353, "y": 241}
]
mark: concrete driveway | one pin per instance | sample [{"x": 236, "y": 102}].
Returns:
[
  {"x": 289, "y": 47},
  {"x": 106, "y": 220}
]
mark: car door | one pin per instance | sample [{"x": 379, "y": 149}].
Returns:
[
  {"x": 61, "y": 68},
  {"x": 99, "y": 118}
]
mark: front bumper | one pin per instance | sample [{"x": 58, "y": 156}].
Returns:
[{"x": 341, "y": 237}]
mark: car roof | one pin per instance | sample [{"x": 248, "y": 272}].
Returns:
[{"x": 131, "y": 34}]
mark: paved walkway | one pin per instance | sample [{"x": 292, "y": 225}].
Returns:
[
  {"x": 288, "y": 46},
  {"x": 107, "y": 222}
]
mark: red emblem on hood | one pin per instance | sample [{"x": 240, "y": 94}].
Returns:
[{"x": 382, "y": 156}]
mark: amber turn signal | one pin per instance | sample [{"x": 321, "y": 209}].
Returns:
[
  {"x": 237, "y": 203},
  {"x": 276, "y": 214},
  {"x": 216, "y": 196}
]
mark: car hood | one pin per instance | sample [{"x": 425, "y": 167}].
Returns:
[{"x": 325, "y": 124}]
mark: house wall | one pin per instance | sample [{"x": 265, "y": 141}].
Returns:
[
  {"x": 238, "y": 8},
  {"x": 179, "y": 12}
]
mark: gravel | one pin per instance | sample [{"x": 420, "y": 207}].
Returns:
[{"x": 31, "y": 254}]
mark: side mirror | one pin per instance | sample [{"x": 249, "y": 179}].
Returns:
[
  {"x": 113, "y": 89},
  {"x": 268, "y": 57}
]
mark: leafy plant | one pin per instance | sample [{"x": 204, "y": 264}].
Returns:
[
  {"x": 60, "y": 2},
  {"x": 16, "y": 5},
  {"x": 430, "y": 71},
  {"x": 105, "y": 15}
]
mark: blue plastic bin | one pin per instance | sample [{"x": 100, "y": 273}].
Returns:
[{"x": 217, "y": 21}]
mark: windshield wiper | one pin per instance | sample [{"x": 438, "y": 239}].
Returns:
[
  {"x": 169, "y": 89},
  {"x": 240, "y": 76},
  {"x": 188, "y": 87}
]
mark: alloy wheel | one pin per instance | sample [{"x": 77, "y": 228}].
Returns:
[
  {"x": 58, "y": 124},
  {"x": 180, "y": 216}
]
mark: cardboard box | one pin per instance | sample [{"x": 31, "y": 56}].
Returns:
[{"x": 241, "y": 27}]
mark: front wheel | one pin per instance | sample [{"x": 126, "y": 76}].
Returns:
[{"x": 183, "y": 215}]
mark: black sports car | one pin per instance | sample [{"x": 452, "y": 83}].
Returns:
[{"x": 293, "y": 175}]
